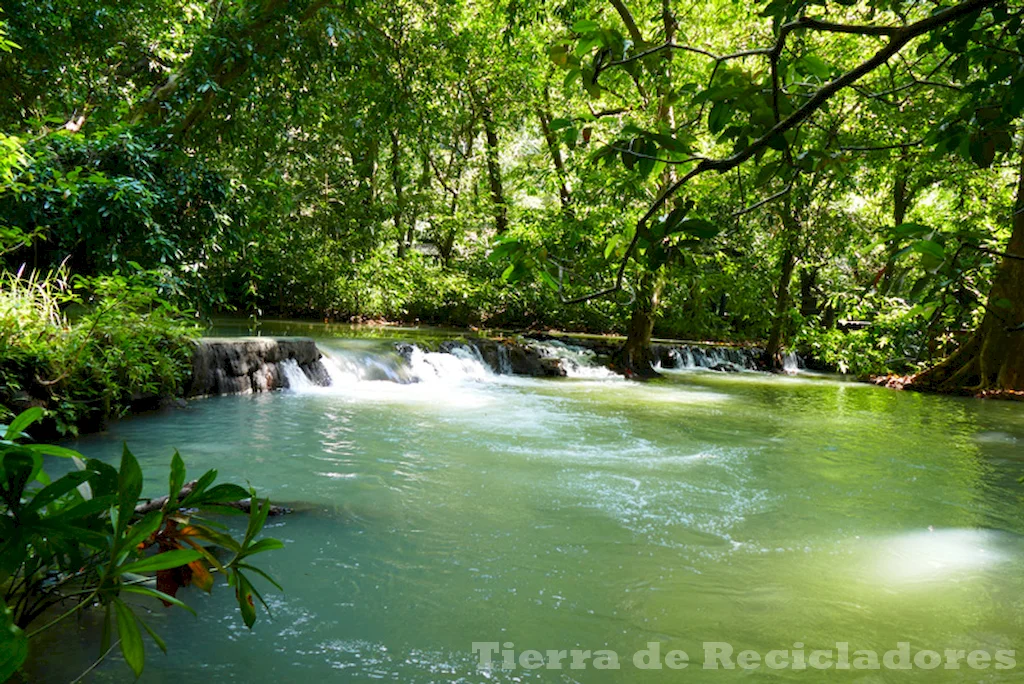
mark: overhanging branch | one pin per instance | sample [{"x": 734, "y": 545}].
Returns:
[{"x": 898, "y": 37}]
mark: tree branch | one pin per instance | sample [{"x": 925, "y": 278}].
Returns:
[
  {"x": 628, "y": 20},
  {"x": 899, "y": 37},
  {"x": 767, "y": 200}
]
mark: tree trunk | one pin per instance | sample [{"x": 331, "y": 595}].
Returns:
[
  {"x": 456, "y": 167},
  {"x": 420, "y": 200},
  {"x": 636, "y": 358},
  {"x": 776, "y": 338},
  {"x": 901, "y": 198},
  {"x": 808, "y": 292},
  {"x": 544, "y": 115},
  {"x": 365, "y": 162},
  {"x": 396, "y": 183},
  {"x": 993, "y": 359},
  {"x": 494, "y": 170}
]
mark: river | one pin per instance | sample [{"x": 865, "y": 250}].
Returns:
[{"x": 591, "y": 513}]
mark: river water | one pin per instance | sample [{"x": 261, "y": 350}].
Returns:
[{"x": 591, "y": 513}]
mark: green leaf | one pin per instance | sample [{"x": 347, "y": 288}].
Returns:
[
  {"x": 176, "y": 479},
  {"x": 13, "y": 644},
  {"x": 252, "y": 568},
  {"x": 271, "y": 544},
  {"x": 243, "y": 593},
  {"x": 222, "y": 493},
  {"x": 815, "y": 66},
  {"x": 53, "y": 450},
  {"x": 670, "y": 143},
  {"x": 559, "y": 124},
  {"x": 131, "y": 638},
  {"x": 19, "y": 468},
  {"x": 258, "y": 512},
  {"x": 129, "y": 484},
  {"x": 156, "y": 593},
  {"x": 505, "y": 248},
  {"x": 201, "y": 485},
  {"x": 142, "y": 530},
  {"x": 545, "y": 277},
  {"x": 930, "y": 248},
  {"x": 106, "y": 635},
  {"x": 910, "y": 229},
  {"x": 59, "y": 488},
  {"x": 559, "y": 54},
  {"x": 585, "y": 26},
  {"x": 719, "y": 116},
  {"x": 22, "y": 421},
  {"x": 700, "y": 228},
  {"x": 613, "y": 242},
  {"x": 154, "y": 636},
  {"x": 983, "y": 150},
  {"x": 161, "y": 561},
  {"x": 767, "y": 172}
]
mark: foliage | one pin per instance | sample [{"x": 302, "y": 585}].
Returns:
[
  {"x": 892, "y": 341},
  {"x": 106, "y": 200},
  {"x": 82, "y": 539},
  {"x": 490, "y": 163},
  {"x": 85, "y": 348}
]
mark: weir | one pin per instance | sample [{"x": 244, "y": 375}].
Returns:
[
  {"x": 261, "y": 364},
  {"x": 252, "y": 364}
]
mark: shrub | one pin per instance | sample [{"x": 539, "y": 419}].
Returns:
[
  {"x": 84, "y": 349},
  {"x": 84, "y": 540}
]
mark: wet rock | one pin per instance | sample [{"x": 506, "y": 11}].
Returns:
[
  {"x": 507, "y": 356},
  {"x": 405, "y": 350},
  {"x": 251, "y": 364},
  {"x": 663, "y": 354}
]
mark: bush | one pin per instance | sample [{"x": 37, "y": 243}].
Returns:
[
  {"x": 892, "y": 342},
  {"x": 85, "y": 349}
]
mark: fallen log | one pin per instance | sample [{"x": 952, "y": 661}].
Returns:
[{"x": 244, "y": 505}]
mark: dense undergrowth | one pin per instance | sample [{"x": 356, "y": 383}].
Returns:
[{"x": 86, "y": 348}]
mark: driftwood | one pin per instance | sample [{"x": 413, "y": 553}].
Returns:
[{"x": 244, "y": 505}]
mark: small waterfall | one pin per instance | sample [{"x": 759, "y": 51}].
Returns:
[
  {"x": 714, "y": 358},
  {"x": 575, "y": 361},
  {"x": 683, "y": 358},
  {"x": 462, "y": 362},
  {"x": 792, "y": 363},
  {"x": 346, "y": 367},
  {"x": 504, "y": 361},
  {"x": 296, "y": 380}
]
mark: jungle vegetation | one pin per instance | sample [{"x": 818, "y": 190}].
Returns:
[{"x": 840, "y": 177}]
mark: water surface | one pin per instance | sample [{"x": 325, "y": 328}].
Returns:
[{"x": 594, "y": 513}]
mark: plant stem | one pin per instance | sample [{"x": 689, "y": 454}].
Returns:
[{"x": 65, "y": 615}]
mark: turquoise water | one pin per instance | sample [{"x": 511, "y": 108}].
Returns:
[{"x": 593, "y": 513}]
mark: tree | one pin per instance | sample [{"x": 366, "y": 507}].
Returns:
[{"x": 779, "y": 87}]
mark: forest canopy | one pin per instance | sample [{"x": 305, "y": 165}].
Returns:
[{"x": 839, "y": 178}]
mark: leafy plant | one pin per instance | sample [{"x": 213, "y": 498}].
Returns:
[
  {"x": 85, "y": 541},
  {"x": 86, "y": 348}
]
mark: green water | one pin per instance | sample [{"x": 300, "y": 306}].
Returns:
[{"x": 596, "y": 514}]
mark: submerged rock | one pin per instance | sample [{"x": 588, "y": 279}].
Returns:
[{"x": 252, "y": 364}]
